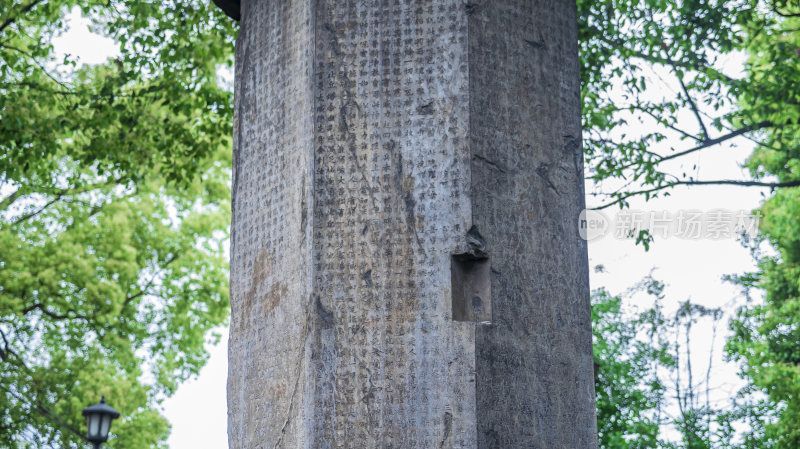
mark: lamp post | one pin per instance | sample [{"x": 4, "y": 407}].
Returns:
[{"x": 98, "y": 420}]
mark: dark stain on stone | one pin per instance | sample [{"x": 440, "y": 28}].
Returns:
[
  {"x": 327, "y": 28},
  {"x": 492, "y": 438},
  {"x": 368, "y": 394},
  {"x": 367, "y": 277},
  {"x": 326, "y": 316},
  {"x": 534, "y": 44},
  {"x": 572, "y": 148},
  {"x": 477, "y": 305},
  {"x": 404, "y": 185},
  {"x": 411, "y": 203},
  {"x": 273, "y": 295},
  {"x": 543, "y": 170},
  {"x": 426, "y": 109}
]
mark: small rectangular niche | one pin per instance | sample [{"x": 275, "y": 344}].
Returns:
[{"x": 471, "y": 286}]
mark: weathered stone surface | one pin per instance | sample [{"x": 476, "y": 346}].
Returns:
[
  {"x": 534, "y": 364},
  {"x": 406, "y": 270}
]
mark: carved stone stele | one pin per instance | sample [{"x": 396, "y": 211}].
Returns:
[{"x": 406, "y": 268}]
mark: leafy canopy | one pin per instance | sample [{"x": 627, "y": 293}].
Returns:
[
  {"x": 114, "y": 209},
  {"x": 643, "y": 140},
  {"x": 651, "y": 393}
]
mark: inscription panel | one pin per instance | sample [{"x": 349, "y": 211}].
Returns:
[
  {"x": 270, "y": 241},
  {"x": 391, "y": 369}
]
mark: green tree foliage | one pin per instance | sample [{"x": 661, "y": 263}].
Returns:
[
  {"x": 114, "y": 208},
  {"x": 628, "y": 390},
  {"x": 766, "y": 336},
  {"x": 649, "y": 394},
  {"x": 625, "y": 45}
]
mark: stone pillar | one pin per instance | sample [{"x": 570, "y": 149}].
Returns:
[{"x": 406, "y": 269}]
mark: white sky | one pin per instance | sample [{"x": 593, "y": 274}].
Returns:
[{"x": 691, "y": 269}]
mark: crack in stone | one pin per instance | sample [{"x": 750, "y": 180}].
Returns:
[
  {"x": 471, "y": 8},
  {"x": 448, "y": 428},
  {"x": 408, "y": 198},
  {"x": 298, "y": 371},
  {"x": 344, "y": 125},
  {"x": 534, "y": 44},
  {"x": 478, "y": 157}
]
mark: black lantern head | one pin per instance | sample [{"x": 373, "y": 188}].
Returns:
[{"x": 98, "y": 420}]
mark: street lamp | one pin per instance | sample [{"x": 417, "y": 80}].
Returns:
[{"x": 98, "y": 420}]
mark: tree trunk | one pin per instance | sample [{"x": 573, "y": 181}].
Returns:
[{"x": 406, "y": 268}]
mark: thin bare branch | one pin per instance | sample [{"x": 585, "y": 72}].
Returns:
[
  {"x": 693, "y": 106},
  {"x": 732, "y": 182},
  {"x": 700, "y": 67},
  {"x": 720, "y": 139},
  {"x": 708, "y": 143},
  {"x": 670, "y": 126},
  {"x": 38, "y": 64}
]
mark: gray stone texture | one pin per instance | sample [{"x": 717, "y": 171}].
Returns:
[{"x": 382, "y": 151}]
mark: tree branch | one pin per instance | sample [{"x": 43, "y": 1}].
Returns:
[
  {"x": 708, "y": 143},
  {"x": 781, "y": 13},
  {"x": 52, "y": 315},
  {"x": 9, "y": 200},
  {"x": 5, "y": 349},
  {"x": 670, "y": 126},
  {"x": 701, "y": 66},
  {"x": 67, "y": 192},
  {"x": 151, "y": 281},
  {"x": 10, "y": 351},
  {"x": 689, "y": 99},
  {"x": 24, "y": 10},
  {"x": 44, "y": 411},
  {"x": 30, "y": 215},
  {"x": 732, "y": 182},
  {"x": 38, "y": 86},
  {"x": 694, "y": 107},
  {"x": 720, "y": 139},
  {"x": 37, "y": 63}
]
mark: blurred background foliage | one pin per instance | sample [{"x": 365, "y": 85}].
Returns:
[{"x": 114, "y": 214}]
